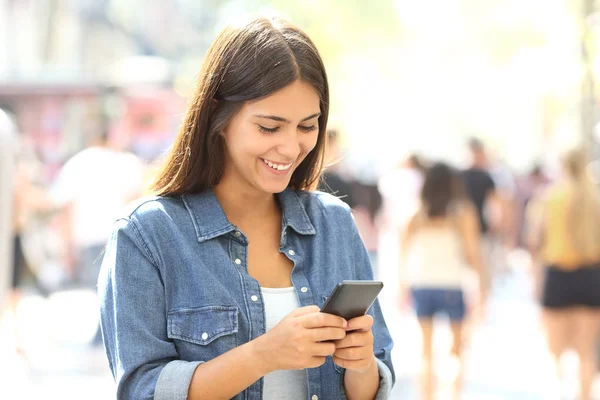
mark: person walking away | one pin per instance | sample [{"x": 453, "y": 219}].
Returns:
[
  {"x": 481, "y": 189},
  {"x": 440, "y": 243},
  {"x": 567, "y": 238}
]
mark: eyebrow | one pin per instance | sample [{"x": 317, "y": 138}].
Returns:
[{"x": 281, "y": 119}]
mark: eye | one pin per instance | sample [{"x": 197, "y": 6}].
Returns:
[
  {"x": 264, "y": 129},
  {"x": 308, "y": 128}
]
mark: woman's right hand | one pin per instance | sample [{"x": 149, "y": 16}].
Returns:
[{"x": 302, "y": 339}]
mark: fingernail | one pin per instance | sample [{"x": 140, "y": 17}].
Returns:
[{"x": 345, "y": 324}]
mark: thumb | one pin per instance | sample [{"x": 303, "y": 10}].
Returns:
[{"x": 304, "y": 310}]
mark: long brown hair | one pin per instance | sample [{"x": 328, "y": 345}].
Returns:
[
  {"x": 583, "y": 212},
  {"x": 442, "y": 190},
  {"x": 243, "y": 63}
]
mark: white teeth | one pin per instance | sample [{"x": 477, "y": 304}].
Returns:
[{"x": 279, "y": 167}]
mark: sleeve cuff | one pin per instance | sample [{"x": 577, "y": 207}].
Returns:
[
  {"x": 385, "y": 381},
  {"x": 174, "y": 380}
]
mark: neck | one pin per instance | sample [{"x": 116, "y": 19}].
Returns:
[{"x": 243, "y": 206}]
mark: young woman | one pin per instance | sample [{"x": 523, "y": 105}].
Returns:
[
  {"x": 440, "y": 242},
  {"x": 568, "y": 239},
  {"x": 212, "y": 288}
]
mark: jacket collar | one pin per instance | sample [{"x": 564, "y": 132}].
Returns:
[{"x": 210, "y": 220}]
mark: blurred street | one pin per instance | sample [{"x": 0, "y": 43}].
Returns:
[{"x": 505, "y": 357}]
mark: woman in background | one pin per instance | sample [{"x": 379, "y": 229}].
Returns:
[
  {"x": 567, "y": 236},
  {"x": 440, "y": 241}
]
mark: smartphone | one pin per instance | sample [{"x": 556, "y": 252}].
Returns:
[{"x": 351, "y": 299}]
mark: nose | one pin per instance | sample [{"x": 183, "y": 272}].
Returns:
[{"x": 290, "y": 145}]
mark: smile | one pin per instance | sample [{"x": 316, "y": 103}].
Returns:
[{"x": 278, "y": 167}]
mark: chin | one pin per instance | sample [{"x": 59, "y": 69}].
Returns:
[{"x": 273, "y": 187}]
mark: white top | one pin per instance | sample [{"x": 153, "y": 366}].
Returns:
[
  {"x": 8, "y": 151},
  {"x": 99, "y": 182},
  {"x": 282, "y": 384},
  {"x": 436, "y": 258}
]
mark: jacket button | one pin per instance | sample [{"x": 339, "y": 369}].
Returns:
[
  {"x": 254, "y": 297},
  {"x": 291, "y": 252},
  {"x": 304, "y": 289},
  {"x": 238, "y": 261},
  {"x": 204, "y": 336}
]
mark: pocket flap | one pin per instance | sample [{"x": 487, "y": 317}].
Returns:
[{"x": 202, "y": 325}]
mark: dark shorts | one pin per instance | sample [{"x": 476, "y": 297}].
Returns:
[
  {"x": 19, "y": 262},
  {"x": 429, "y": 302},
  {"x": 579, "y": 287}
]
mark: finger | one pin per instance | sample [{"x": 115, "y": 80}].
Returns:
[
  {"x": 353, "y": 353},
  {"x": 323, "y": 349},
  {"x": 327, "y": 333},
  {"x": 355, "y": 339},
  {"x": 304, "y": 311},
  {"x": 320, "y": 319},
  {"x": 362, "y": 323}
]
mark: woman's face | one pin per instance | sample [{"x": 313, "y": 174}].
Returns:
[{"x": 268, "y": 138}]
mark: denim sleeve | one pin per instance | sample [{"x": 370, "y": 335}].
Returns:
[
  {"x": 383, "y": 341},
  {"x": 143, "y": 361}
]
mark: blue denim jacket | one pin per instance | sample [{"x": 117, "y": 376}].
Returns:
[{"x": 175, "y": 290}]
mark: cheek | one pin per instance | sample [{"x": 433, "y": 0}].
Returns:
[
  {"x": 242, "y": 147},
  {"x": 309, "y": 142}
]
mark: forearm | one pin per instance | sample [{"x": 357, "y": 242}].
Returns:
[
  {"x": 362, "y": 385},
  {"x": 226, "y": 375},
  {"x": 476, "y": 263}
]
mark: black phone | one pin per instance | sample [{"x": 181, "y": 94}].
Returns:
[{"x": 351, "y": 299}]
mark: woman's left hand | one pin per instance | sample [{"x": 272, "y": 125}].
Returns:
[{"x": 355, "y": 351}]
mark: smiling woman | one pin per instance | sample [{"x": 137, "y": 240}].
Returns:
[{"x": 212, "y": 287}]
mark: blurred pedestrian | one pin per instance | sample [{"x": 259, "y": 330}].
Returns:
[
  {"x": 30, "y": 200},
  {"x": 92, "y": 189},
  {"x": 333, "y": 180},
  {"x": 359, "y": 197},
  {"x": 502, "y": 233},
  {"x": 481, "y": 189},
  {"x": 400, "y": 191},
  {"x": 8, "y": 152},
  {"x": 25, "y": 198},
  {"x": 531, "y": 188},
  {"x": 568, "y": 239},
  {"x": 212, "y": 289},
  {"x": 441, "y": 242}
]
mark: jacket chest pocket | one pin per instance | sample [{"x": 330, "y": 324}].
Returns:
[{"x": 205, "y": 332}]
